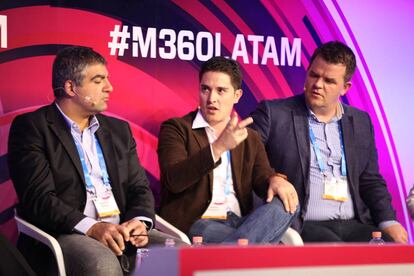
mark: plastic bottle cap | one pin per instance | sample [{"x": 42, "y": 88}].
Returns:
[
  {"x": 243, "y": 242},
  {"x": 169, "y": 242},
  {"x": 197, "y": 239},
  {"x": 376, "y": 234}
]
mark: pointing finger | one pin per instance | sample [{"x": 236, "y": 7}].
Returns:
[
  {"x": 233, "y": 120},
  {"x": 245, "y": 122}
]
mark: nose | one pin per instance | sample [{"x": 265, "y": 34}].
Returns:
[
  {"x": 108, "y": 86},
  {"x": 318, "y": 83},
  {"x": 212, "y": 97}
]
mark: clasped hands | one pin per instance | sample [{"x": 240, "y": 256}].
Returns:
[{"x": 115, "y": 236}]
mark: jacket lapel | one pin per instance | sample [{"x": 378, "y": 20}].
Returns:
[
  {"x": 201, "y": 138},
  {"x": 105, "y": 140},
  {"x": 236, "y": 166},
  {"x": 347, "y": 124},
  {"x": 59, "y": 127},
  {"x": 300, "y": 121}
]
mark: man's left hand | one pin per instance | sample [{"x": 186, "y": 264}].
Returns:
[
  {"x": 285, "y": 190},
  {"x": 137, "y": 231},
  {"x": 397, "y": 233}
]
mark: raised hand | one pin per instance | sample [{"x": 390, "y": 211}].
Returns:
[{"x": 234, "y": 133}]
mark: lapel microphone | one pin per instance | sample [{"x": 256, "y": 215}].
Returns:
[{"x": 88, "y": 99}]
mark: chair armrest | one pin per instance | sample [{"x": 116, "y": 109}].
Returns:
[
  {"x": 166, "y": 227},
  {"x": 40, "y": 235},
  {"x": 291, "y": 237}
]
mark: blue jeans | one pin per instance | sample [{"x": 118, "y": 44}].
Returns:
[{"x": 266, "y": 224}]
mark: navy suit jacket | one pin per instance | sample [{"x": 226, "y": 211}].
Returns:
[
  {"x": 283, "y": 125},
  {"x": 47, "y": 173}
]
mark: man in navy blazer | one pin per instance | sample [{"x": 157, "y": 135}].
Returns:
[
  {"x": 76, "y": 172},
  {"x": 327, "y": 150}
]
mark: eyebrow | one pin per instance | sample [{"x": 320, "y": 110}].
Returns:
[
  {"x": 223, "y": 88},
  {"x": 218, "y": 88},
  {"x": 313, "y": 73}
]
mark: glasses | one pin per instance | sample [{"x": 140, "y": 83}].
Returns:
[
  {"x": 124, "y": 262},
  {"x": 132, "y": 257}
]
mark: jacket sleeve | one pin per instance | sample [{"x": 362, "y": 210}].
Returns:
[
  {"x": 139, "y": 198},
  {"x": 410, "y": 202},
  {"x": 30, "y": 171},
  {"x": 372, "y": 186},
  {"x": 181, "y": 168},
  {"x": 262, "y": 169},
  {"x": 262, "y": 120}
]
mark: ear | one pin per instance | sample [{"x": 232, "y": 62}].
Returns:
[
  {"x": 69, "y": 88},
  {"x": 237, "y": 95},
  {"x": 347, "y": 85}
]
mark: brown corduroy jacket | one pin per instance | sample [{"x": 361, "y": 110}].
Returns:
[{"x": 186, "y": 165}]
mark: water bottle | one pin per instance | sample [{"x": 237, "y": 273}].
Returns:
[
  {"x": 169, "y": 243},
  {"x": 377, "y": 238},
  {"x": 197, "y": 241},
  {"x": 242, "y": 242},
  {"x": 142, "y": 253}
]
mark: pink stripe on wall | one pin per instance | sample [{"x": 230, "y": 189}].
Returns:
[{"x": 212, "y": 24}]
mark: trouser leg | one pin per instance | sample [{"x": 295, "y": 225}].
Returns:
[{"x": 266, "y": 224}]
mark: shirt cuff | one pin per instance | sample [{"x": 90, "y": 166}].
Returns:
[
  {"x": 147, "y": 221},
  {"x": 212, "y": 154},
  {"x": 84, "y": 225},
  {"x": 387, "y": 223}
]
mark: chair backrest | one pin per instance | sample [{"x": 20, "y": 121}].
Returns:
[
  {"x": 40, "y": 235},
  {"x": 166, "y": 227},
  {"x": 291, "y": 237}
]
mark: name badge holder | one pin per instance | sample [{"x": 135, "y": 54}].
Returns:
[
  {"x": 105, "y": 204},
  {"x": 218, "y": 208},
  {"x": 334, "y": 188}
]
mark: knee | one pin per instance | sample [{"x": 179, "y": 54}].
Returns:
[
  {"x": 276, "y": 206},
  {"x": 106, "y": 264},
  {"x": 198, "y": 227}
]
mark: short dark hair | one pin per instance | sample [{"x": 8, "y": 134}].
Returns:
[
  {"x": 223, "y": 65},
  {"x": 335, "y": 52},
  {"x": 69, "y": 65}
]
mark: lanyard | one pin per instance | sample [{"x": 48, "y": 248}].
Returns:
[
  {"x": 102, "y": 165},
  {"x": 228, "y": 175},
  {"x": 319, "y": 155}
]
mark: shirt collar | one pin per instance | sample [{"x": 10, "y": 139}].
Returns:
[
  {"x": 337, "y": 117},
  {"x": 93, "y": 122},
  {"x": 199, "y": 121}
]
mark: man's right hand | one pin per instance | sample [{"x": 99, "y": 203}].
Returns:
[
  {"x": 111, "y": 235},
  {"x": 234, "y": 133}
]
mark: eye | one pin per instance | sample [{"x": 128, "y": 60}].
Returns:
[
  {"x": 313, "y": 75},
  {"x": 221, "y": 91},
  {"x": 205, "y": 89}
]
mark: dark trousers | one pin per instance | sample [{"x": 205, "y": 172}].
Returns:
[{"x": 339, "y": 231}]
